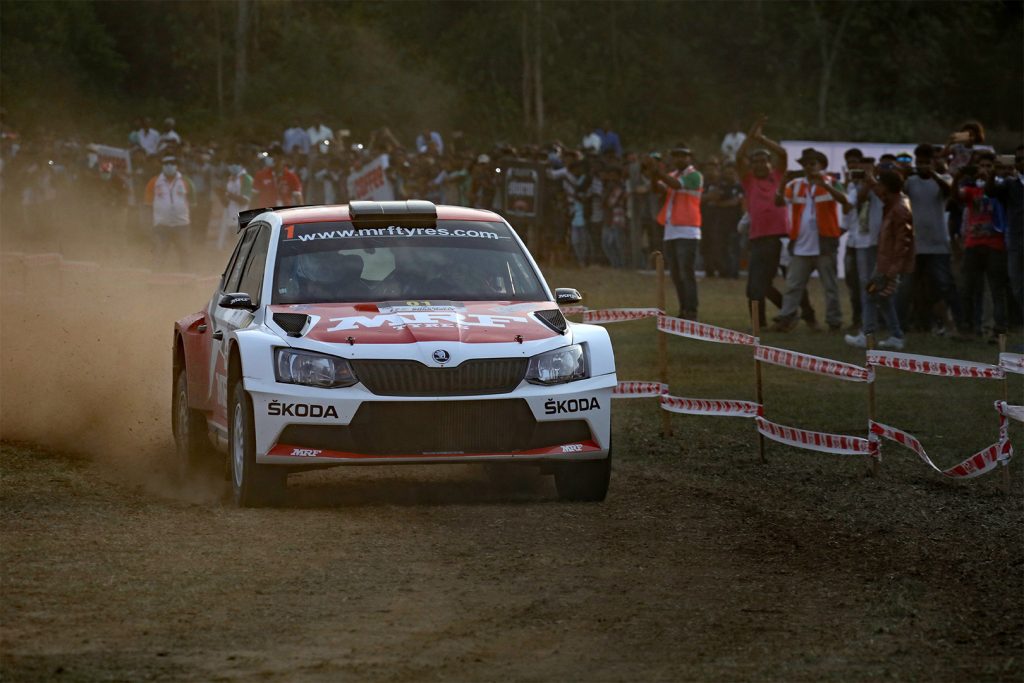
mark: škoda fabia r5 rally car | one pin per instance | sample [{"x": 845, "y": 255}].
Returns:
[{"x": 387, "y": 333}]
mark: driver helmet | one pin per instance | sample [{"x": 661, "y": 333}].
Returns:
[{"x": 329, "y": 268}]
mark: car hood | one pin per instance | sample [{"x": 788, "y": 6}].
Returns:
[{"x": 409, "y": 322}]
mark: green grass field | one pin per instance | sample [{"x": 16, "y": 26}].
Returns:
[{"x": 952, "y": 417}]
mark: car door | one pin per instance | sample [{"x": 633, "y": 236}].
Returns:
[{"x": 227, "y": 320}]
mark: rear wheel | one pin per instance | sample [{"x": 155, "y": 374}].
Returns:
[
  {"x": 584, "y": 481},
  {"x": 252, "y": 485},
  {"x": 190, "y": 430}
]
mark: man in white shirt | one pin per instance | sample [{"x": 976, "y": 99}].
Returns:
[
  {"x": 321, "y": 137},
  {"x": 295, "y": 139},
  {"x": 814, "y": 233},
  {"x": 171, "y": 195},
  {"x": 429, "y": 138},
  {"x": 148, "y": 138},
  {"x": 732, "y": 141},
  {"x": 169, "y": 139}
]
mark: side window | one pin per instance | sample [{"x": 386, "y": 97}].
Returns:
[
  {"x": 231, "y": 262},
  {"x": 241, "y": 254},
  {"x": 252, "y": 276}
]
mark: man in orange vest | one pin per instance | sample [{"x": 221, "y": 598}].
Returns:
[
  {"x": 680, "y": 215},
  {"x": 813, "y": 239}
]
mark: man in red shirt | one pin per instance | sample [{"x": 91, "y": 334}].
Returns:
[
  {"x": 983, "y": 234},
  {"x": 761, "y": 164},
  {"x": 276, "y": 184}
]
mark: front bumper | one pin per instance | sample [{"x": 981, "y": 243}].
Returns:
[{"x": 304, "y": 425}]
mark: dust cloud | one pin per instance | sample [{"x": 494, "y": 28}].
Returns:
[{"x": 86, "y": 333}]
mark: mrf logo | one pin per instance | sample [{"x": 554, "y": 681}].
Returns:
[
  {"x": 570, "y": 405},
  {"x": 301, "y": 410}
]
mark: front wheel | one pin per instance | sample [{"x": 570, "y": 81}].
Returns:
[
  {"x": 252, "y": 485},
  {"x": 584, "y": 481}
]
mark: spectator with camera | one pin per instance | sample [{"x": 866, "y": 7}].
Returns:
[
  {"x": 762, "y": 167},
  {"x": 276, "y": 184},
  {"x": 680, "y": 217},
  {"x": 928, "y": 192},
  {"x": 1009, "y": 190},
  {"x": 814, "y": 238},
  {"x": 865, "y": 226},
  {"x": 728, "y": 209},
  {"x": 853, "y": 182},
  {"x": 613, "y": 234},
  {"x": 893, "y": 256},
  {"x": 572, "y": 177}
]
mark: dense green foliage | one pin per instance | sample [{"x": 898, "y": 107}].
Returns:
[{"x": 657, "y": 70}]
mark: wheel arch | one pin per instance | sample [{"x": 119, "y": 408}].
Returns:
[
  {"x": 234, "y": 365},
  {"x": 178, "y": 361}
]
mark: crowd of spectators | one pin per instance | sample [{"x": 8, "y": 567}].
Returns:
[{"x": 933, "y": 235}]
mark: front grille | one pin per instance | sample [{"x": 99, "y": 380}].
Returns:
[
  {"x": 412, "y": 378},
  {"x": 436, "y": 427}
]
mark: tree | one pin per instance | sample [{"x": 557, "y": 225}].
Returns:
[
  {"x": 241, "y": 53},
  {"x": 830, "y": 41}
]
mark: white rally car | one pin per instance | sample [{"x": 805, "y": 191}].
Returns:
[{"x": 386, "y": 333}]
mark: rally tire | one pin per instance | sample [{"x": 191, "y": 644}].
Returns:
[
  {"x": 252, "y": 485},
  {"x": 585, "y": 481},
  {"x": 192, "y": 445}
]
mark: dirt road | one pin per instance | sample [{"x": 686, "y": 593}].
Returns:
[{"x": 417, "y": 574}]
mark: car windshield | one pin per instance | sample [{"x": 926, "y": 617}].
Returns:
[{"x": 457, "y": 260}]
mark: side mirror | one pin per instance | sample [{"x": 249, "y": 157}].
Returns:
[
  {"x": 567, "y": 295},
  {"x": 237, "y": 300}
]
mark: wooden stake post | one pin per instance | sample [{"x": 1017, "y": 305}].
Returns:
[
  {"x": 659, "y": 268},
  {"x": 755, "y": 319},
  {"x": 1006, "y": 389},
  {"x": 871, "y": 406}
]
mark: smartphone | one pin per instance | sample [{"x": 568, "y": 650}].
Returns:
[
  {"x": 1005, "y": 160},
  {"x": 867, "y": 161},
  {"x": 961, "y": 136}
]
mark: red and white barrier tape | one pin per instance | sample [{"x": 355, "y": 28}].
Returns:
[
  {"x": 978, "y": 464},
  {"x": 840, "y": 444},
  {"x": 639, "y": 390},
  {"x": 618, "y": 315},
  {"x": 932, "y": 365},
  {"x": 1012, "y": 362},
  {"x": 696, "y": 330},
  {"x": 79, "y": 266},
  {"x": 706, "y": 406},
  {"x": 1011, "y": 411},
  {"x": 573, "y": 310},
  {"x": 815, "y": 364}
]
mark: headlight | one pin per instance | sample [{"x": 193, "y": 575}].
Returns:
[
  {"x": 312, "y": 369},
  {"x": 558, "y": 366}
]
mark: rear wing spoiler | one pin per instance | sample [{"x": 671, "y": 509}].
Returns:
[
  {"x": 415, "y": 213},
  {"x": 245, "y": 217}
]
